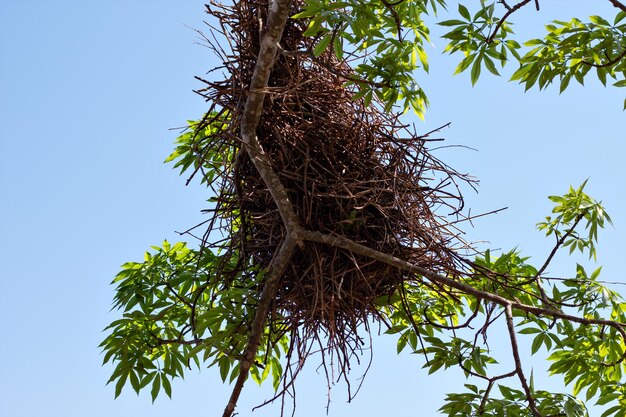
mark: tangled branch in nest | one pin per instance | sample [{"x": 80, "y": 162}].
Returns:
[{"x": 349, "y": 170}]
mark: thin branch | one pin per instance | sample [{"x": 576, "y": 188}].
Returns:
[
  {"x": 509, "y": 12},
  {"x": 505, "y": 4},
  {"x": 556, "y": 247},
  {"x": 618, "y": 4},
  {"x": 492, "y": 380},
  {"x": 452, "y": 327},
  {"x": 608, "y": 63},
  {"x": 396, "y": 17},
  {"x": 518, "y": 362}
]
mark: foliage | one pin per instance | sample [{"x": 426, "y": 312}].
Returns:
[
  {"x": 183, "y": 307},
  {"x": 177, "y": 314},
  {"x": 588, "y": 352},
  {"x": 389, "y": 38},
  {"x": 570, "y": 49}
]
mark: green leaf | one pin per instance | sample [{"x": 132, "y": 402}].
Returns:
[
  {"x": 489, "y": 64},
  {"x": 599, "y": 21},
  {"x": 322, "y": 45},
  {"x": 134, "y": 381},
  {"x": 530, "y": 330},
  {"x": 313, "y": 29},
  {"x": 475, "y": 73},
  {"x": 308, "y": 12},
  {"x": 612, "y": 410},
  {"x": 564, "y": 83},
  {"x": 120, "y": 384},
  {"x": 165, "y": 382},
  {"x": 423, "y": 58},
  {"x": 464, "y": 12},
  {"x": 402, "y": 341},
  {"x": 464, "y": 64},
  {"x": 224, "y": 366},
  {"x": 453, "y": 22},
  {"x": 156, "y": 387},
  {"x": 147, "y": 379}
]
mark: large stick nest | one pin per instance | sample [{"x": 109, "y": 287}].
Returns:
[{"x": 350, "y": 170}]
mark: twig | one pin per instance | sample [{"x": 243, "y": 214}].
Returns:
[
  {"x": 510, "y": 11},
  {"x": 518, "y": 362},
  {"x": 618, "y": 4},
  {"x": 556, "y": 247},
  {"x": 608, "y": 63}
]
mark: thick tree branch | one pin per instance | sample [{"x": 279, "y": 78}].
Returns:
[
  {"x": 269, "y": 289},
  {"x": 277, "y": 17}
]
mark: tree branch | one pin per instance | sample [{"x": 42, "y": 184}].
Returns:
[
  {"x": 277, "y": 17},
  {"x": 618, "y": 4},
  {"x": 357, "y": 248},
  {"x": 608, "y": 63},
  {"x": 518, "y": 362},
  {"x": 559, "y": 243},
  {"x": 269, "y": 289},
  {"x": 509, "y": 12}
]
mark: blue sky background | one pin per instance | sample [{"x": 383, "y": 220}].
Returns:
[{"x": 88, "y": 93}]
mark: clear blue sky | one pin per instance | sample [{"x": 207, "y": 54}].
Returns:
[{"x": 88, "y": 91}]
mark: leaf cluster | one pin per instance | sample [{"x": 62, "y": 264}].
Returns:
[
  {"x": 571, "y": 49},
  {"x": 178, "y": 313},
  {"x": 385, "y": 41}
]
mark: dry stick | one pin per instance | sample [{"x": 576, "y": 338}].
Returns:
[{"x": 277, "y": 18}]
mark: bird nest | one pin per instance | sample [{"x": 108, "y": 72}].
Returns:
[{"x": 349, "y": 169}]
